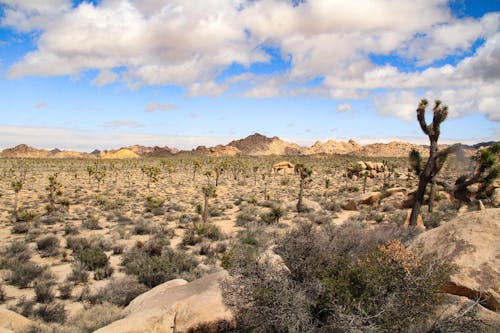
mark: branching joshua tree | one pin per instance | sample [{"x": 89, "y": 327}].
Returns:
[
  {"x": 18, "y": 173},
  {"x": 435, "y": 162},
  {"x": 208, "y": 192},
  {"x": 152, "y": 172},
  {"x": 54, "y": 190},
  {"x": 305, "y": 177},
  {"x": 219, "y": 167}
]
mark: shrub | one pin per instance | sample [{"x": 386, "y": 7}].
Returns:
[
  {"x": 246, "y": 215},
  {"x": 44, "y": 291},
  {"x": 91, "y": 223},
  {"x": 78, "y": 273},
  {"x": 77, "y": 243},
  {"x": 154, "y": 205},
  {"x": 91, "y": 319},
  {"x": 346, "y": 279},
  {"x": 154, "y": 270},
  {"x": 143, "y": 227},
  {"x": 15, "y": 253},
  {"x": 65, "y": 290},
  {"x": 48, "y": 246},
  {"x": 92, "y": 258},
  {"x": 51, "y": 312},
  {"x": 22, "y": 274},
  {"x": 103, "y": 273},
  {"x": 20, "y": 228},
  {"x": 120, "y": 291}
]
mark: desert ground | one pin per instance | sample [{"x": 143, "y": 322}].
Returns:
[{"x": 86, "y": 238}]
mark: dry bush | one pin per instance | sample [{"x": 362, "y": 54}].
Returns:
[
  {"x": 347, "y": 279},
  {"x": 90, "y": 319}
]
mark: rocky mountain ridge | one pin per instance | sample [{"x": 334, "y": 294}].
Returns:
[{"x": 253, "y": 145}]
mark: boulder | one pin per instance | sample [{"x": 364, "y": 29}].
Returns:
[
  {"x": 391, "y": 191},
  {"x": 175, "y": 307},
  {"x": 10, "y": 320},
  {"x": 455, "y": 313},
  {"x": 362, "y": 165},
  {"x": 349, "y": 205},
  {"x": 470, "y": 242},
  {"x": 307, "y": 205},
  {"x": 490, "y": 188},
  {"x": 395, "y": 201},
  {"x": 371, "y": 198},
  {"x": 370, "y": 165}
]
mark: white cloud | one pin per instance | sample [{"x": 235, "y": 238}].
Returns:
[
  {"x": 344, "y": 107},
  {"x": 153, "y": 106},
  {"x": 189, "y": 43},
  {"x": 105, "y": 77},
  {"x": 122, "y": 123}
]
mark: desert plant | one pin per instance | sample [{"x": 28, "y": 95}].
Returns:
[
  {"x": 54, "y": 189},
  {"x": 304, "y": 173},
  {"x": 436, "y": 157},
  {"x": 208, "y": 192},
  {"x": 48, "y": 246},
  {"x": 91, "y": 257},
  {"x": 51, "y": 312},
  {"x": 21, "y": 275},
  {"x": 152, "y": 172}
]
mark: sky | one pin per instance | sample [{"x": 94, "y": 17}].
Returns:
[{"x": 105, "y": 74}]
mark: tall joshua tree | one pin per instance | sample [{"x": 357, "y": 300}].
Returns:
[
  {"x": 305, "y": 176},
  {"x": 436, "y": 158},
  {"x": 208, "y": 192}
]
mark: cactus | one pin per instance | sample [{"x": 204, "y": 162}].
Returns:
[{"x": 305, "y": 176}]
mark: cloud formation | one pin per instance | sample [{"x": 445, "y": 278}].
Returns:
[
  {"x": 190, "y": 43},
  {"x": 153, "y": 106}
]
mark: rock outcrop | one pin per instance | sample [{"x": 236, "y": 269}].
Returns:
[
  {"x": 9, "y": 320},
  {"x": 175, "y": 306},
  {"x": 471, "y": 243}
]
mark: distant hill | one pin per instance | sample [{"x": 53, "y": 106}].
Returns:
[{"x": 253, "y": 145}]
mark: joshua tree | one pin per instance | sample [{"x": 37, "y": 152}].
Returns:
[
  {"x": 255, "y": 168},
  {"x": 208, "y": 174},
  {"x": 436, "y": 157},
  {"x": 196, "y": 167},
  {"x": 219, "y": 168},
  {"x": 305, "y": 176},
  {"x": 55, "y": 189},
  {"x": 152, "y": 172},
  {"x": 208, "y": 192},
  {"x": 99, "y": 173},
  {"x": 18, "y": 178}
]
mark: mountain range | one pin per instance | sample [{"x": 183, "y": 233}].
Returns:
[{"x": 253, "y": 145}]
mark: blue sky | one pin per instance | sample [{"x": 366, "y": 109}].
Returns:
[{"x": 105, "y": 74}]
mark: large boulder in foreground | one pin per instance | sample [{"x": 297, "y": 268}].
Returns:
[
  {"x": 471, "y": 242},
  {"x": 10, "y": 320},
  {"x": 175, "y": 306}
]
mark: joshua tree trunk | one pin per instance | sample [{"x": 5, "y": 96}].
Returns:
[
  {"x": 365, "y": 175},
  {"x": 301, "y": 194},
  {"x": 432, "y": 194},
  {"x": 205, "y": 210}
]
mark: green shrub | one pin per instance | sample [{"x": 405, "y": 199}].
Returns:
[
  {"x": 92, "y": 258},
  {"x": 154, "y": 270}
]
